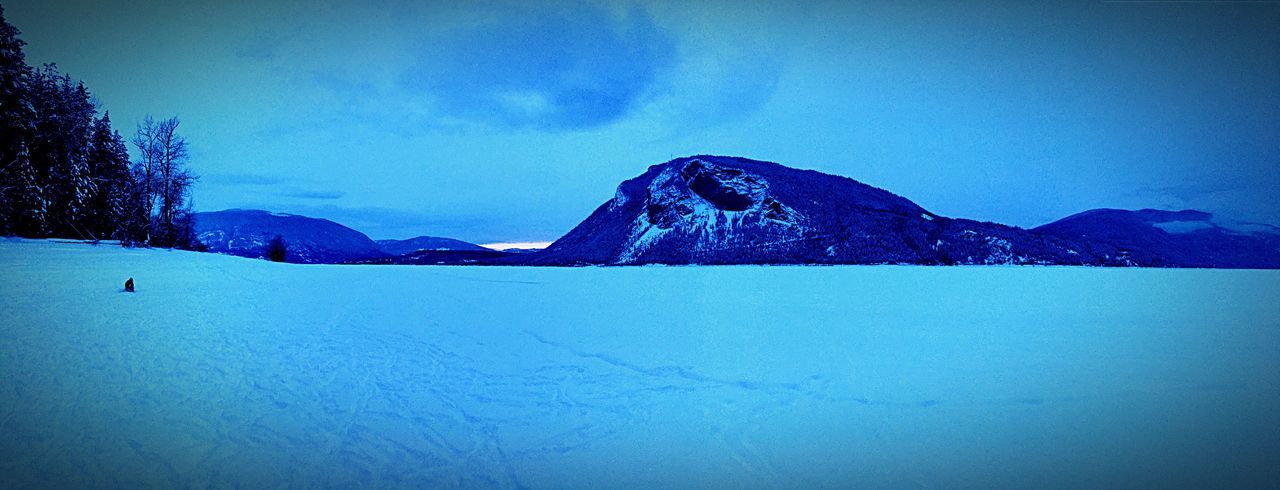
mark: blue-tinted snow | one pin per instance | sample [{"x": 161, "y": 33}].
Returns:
[{"x": 228, "y": 371}]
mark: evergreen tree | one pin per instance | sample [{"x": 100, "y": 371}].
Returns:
[
  {"x": 185, "y": 230},
  {"x": 29, "y": 208},
  {"x": 60, "y": 150},
  {"x": 276, "y": 249},
  {"x": 78, "y": 170},
  {"x": 18, "y": 184},
  {"x": 109, "y": 169},
  {"x": 135, "y": 217}
]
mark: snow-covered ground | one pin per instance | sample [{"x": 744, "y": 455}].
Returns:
[{"x": 228, "y": 371}]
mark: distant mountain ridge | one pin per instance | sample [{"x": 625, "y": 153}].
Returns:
[
  {"x": 426, "y": 243},
  {"x": 727, "y": 210},
  {"x": 1187, "y": 238},
  {"x": 246, "y": 232},
  {"x": 444, "y": 257}
]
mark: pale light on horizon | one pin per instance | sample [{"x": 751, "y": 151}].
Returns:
[{"x": 509, "y": 245}]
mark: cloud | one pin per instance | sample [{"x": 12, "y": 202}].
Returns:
[
  {"x": 264, "y": 184},
  {"x": 239, "y": 179},
  {"x": 720, "y": 85},
  {"x": 382, "y": 222},
  {"x": 1232, "y": 199},
  {"x": 310, "y": 194},
  {"x": 559, "y": 69},
  {"x": 1190, "y": 192},
  {"x": 263, "y": 45}
]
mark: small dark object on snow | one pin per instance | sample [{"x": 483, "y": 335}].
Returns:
[{"x": 128, "y": 285}]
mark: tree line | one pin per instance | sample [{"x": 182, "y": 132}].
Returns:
[{"x": 65, "y": 172}]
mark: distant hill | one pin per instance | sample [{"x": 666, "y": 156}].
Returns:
[
  {"x": 246, "y": 232},
  {"x": 426, "y": 243},
  {"x": 1187, "y": 238}
]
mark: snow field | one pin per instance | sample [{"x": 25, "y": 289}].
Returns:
[{"x": 226, "y": 371}]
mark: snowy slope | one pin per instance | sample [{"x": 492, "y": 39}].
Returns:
[{"x": 223, "y": 371}]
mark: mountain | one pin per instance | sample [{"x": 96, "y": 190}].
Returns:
[
  {"x": 727, "y": 210},
  {"x": 246, "y": 232},
  {"x": 446, "y": 257},
  {"x": 1156, "y": 238},
  {"x": 424, "y": 243}
]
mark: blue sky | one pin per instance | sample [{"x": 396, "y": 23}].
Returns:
[{"x": 501, "y": 121}]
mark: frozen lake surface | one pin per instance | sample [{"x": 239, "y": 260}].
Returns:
[{"x": 226, "y": 371}]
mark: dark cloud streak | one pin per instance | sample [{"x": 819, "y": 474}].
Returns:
[{"x": 275, "y": 186}]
